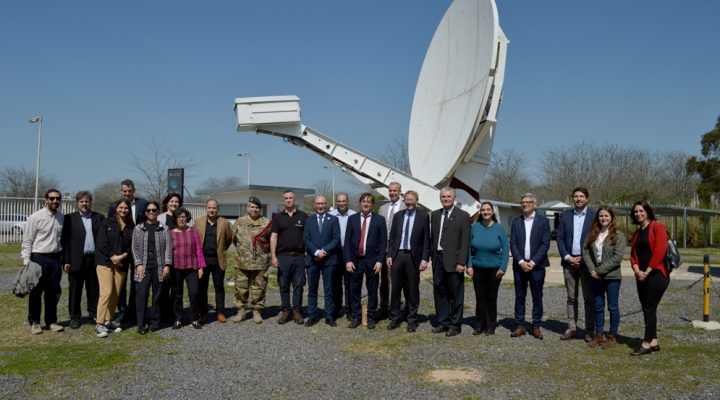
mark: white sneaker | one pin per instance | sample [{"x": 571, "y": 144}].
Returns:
[
  {"x": 35, "y": 329},
  {"x": 56, "y": 327},
  {"x": 101, "y": 331}
]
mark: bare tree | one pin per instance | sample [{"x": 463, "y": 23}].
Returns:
[
  {"x": 20, "y": 182},
  {"x": 323, "y": 187},
  {"x": 506, "y": 178},
  {"x": 152, "y": 163},
  {"x": 395, "y": 153},
  {"x": 105, "y": 194}
]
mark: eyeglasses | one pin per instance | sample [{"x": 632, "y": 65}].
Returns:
[
  {"x": 151, "y": 210},
  {"x": 54, "y": 198}
]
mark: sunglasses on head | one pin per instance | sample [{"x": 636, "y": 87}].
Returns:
[{"x": 151, "y": 210}]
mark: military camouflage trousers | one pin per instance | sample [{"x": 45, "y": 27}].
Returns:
[{"x": 249, "y": 283}]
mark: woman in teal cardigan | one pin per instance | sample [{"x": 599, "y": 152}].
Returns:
[{"x": 489, "y": 254}]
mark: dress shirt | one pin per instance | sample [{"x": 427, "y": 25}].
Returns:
[
  {"x": 528, "y": 229},
  {"x": 42, "y": 233},
  {"x": 342, "y": 218},
  {"x": 442, "y": 222},
  {"x": 578, "y": 222},
  {"x": 89, "y": 247},
  {"x": 132, "y": 210},
  {"x": 409, "y": 218},
  {"x": 393, "y": 207}
]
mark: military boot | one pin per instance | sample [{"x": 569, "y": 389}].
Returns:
[
  {"x": 240, "y": 316},
  {"x": 257, "y": 317}
]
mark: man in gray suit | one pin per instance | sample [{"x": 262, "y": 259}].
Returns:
[
  {"x": 449, "y": 245},
  {"x": 387, "y": 210}
]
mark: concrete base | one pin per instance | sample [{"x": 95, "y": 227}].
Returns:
[{"x": 708, "y": 326}]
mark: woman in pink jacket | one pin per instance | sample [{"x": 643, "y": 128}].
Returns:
[{"x": 188, "y": 264}]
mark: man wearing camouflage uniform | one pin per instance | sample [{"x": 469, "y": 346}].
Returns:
[{"x": 251, "y": 240}]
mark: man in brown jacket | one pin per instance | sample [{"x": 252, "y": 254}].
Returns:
[{"x": 216, "y": 236}]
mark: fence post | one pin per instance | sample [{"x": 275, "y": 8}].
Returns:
[{"x": 706, "y": 288}]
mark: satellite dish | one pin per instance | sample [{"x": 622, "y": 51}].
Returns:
[{"x": 454, "y": 110}]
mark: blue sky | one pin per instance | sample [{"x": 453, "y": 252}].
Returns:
[{"x": 108, "y": 76}]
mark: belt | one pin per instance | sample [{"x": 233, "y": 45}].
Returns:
[
  {"x": 48, "y": 255},
  {"x": 89, "y": 255},
  {"x": 405, "y": 251}
]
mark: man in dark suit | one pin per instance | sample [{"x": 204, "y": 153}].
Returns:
[
  {"x": 137, "y": 210},
  {"x": 529, "y": 244},
  {"x": 571, "y": 235},
  {"x": 364, "y": 251},
  {"x": 408, "y": 254},
  {"x": 322, "y": 238},
  {"x": 80, "y": 232},
  {"x": 450, "y": 249}
]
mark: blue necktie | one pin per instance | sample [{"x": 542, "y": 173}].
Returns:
[
  {"x": 406, "y": 240},
  {"x": 320, "y": 223}
]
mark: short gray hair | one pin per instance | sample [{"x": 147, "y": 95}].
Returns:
[
  {"x": 447, "y": 189},
  {"x": 529, "y": 196}
]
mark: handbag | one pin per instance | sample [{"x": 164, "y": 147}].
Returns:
[{"x": 673, "y": 260}]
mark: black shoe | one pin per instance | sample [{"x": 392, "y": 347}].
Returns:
[
  {"x": 330, "y": 322},
  {"x": 196, "y": 325},
  {"x": 177, "y": 324},
  {"x": 641, "y": 351},
  {"x": 74, "y": 323},
  {"x": 142, "y": 330},
  {"x": 393, "y": 325},
  {"x": 655, "y": 348},
  {"x": 452, "y": 332},
  {"x": 440, "y": 329},
  {"x": 412, "y": 328},
  {"x": 310, "y": 322},
  {"x": 348, "y": 317},
  {"x": 371, "y": 324},
  {"x": 154, "y": 328},
  {"x": 477, "y": 332},
  {"x": 354, "y": 324},
  {"x": 490, "y": 331}
]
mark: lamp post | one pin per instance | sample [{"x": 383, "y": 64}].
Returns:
[
  {"x": 247, "y": 155},
  {"x": 32, "y": 120},
  {"x": 332, "y": 170}
]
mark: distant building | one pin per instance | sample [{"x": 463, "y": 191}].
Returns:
[{"x": 232, "y": 201}]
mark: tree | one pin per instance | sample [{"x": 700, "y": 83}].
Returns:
[
  {"x": 20, "y": 182},
  {"x": 395, "y": 153},
  {"x": 211, "y": 185},
  {"x": 506, "y": 179},
  {"x": 152, "y": 163},
  {"x": 105, "y": 194},
  {"x": 708, "y": 168},
  {"x": 323, "y": 187}
]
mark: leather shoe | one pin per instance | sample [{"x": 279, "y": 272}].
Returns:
[
  {"x": 452, "y": 332},
  {"x": 297, "y": 317},
  {"x": 354, "y": 324},
  {"x": 74, "y": 323},
  {"x": 440, "y": 329},
  {"x": 412, "y": 328},
  {"x": 537, "y": 333},
  {"x": 371, "y": 324},
  {"x": 477, "y": 332},
  {"x": 284, "y": 317},
  {"x": 310, "y": 322},
  {"x": 589, "y": 336},
  {"x": 142, "y": 330},
  {"x": 393, "y": 325},
  {"x": 177, "y": 324},
  {"x": 569, "y": 334},
  {"x": 221, "y": 318},
  {"x": 330, "y": 322},
  {"x": 641, "y": 351},
  {"x": 519, "y": 331},
  {"x": 196, "y": 325},
  {"x": 655, "y": 348}
]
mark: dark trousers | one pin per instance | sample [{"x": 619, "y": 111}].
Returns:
[
  {"x": 650, "y": 291},
  {"x": 384, "y": 287},
  {"x": 159, "y": 295},
  {"x": 126, "y": 304},
  {"x": 86, "y": 275},
  {"x": 486, "y": 285},
  {"x": 405, "y": 280},
  {"x": 190, "y": 277},
  {"x": 449, "y": 293},
  {"x": 363, "y": 268},
  {"x": 536, "y": 278},
  {"x": 313, "y": 275},
  {"x": 47, "y": 290},
  {"x": 611, "y": 289},
  {"x": 341, "y": 277},
  {"x": 167, "y": 305},
  {"x": 218, "y": 278},
  {"x": 291, "y": 273}
]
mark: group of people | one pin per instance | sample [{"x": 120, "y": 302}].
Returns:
[{"x": 387, "y": 250}]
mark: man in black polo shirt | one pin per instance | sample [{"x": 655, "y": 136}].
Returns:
[{"x": 288, "y": 255}]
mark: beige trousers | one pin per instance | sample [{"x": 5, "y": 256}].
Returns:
[{"x": 111, "y": 280}]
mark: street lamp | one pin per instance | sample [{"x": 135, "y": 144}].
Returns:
[
  {"x": 332, "y": 170},
  {"x": 246, "y": 154},
  {"x": 33, "y": 120}
]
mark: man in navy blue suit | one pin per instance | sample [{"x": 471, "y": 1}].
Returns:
[
  {"x": 322, "y": 238},
  {"x": 529, "y": 244},
  {"x": 571, "y": 235},
  {"x": 364, "y": 250}
]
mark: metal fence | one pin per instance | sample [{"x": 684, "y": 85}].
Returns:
[{"x": 14, "y": 213}]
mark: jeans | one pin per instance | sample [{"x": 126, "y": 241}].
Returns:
[
  {"x": 48, "y": 289},
  {"x": 313, "y": 275},
  {"x": 601, "y": 289}
]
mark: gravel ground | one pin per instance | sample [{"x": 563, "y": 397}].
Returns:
[{"x": 289, "y": 361}]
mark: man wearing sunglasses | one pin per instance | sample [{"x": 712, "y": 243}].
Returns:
[{"x": 41, "y": 245}]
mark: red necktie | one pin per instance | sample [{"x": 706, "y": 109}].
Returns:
[{"x": 361, "y": 248}]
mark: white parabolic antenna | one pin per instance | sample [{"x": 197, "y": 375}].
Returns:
[{"x": 452, "y": 121}]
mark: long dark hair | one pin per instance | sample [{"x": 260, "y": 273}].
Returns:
[
  {"x": 595, "y": 230},
  {"x": 127, "y": 221},
  {"x": 167, "y": 199},
  {"x": 494, "y": 217},
  {"x": 646, "y": 206}
]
